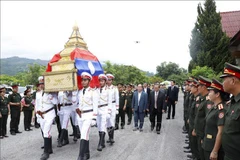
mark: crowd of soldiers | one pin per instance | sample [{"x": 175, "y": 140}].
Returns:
[
  {"x": 89, "y": 107},
  {"x": 212, "y": 116}
]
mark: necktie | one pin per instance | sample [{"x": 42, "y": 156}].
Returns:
[
  {"x": 101, "y": 90},
  {"x": 156, "y": 94},
  {"x": 84, "y": 91}
]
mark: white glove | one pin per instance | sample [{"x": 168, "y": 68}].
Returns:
[
  {"x": 93, "y": 123},
  {"x": 108, "y": 116},
  {"x": 117, "y": 112}
]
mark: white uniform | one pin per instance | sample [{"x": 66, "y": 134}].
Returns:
[
  {"x": 114, "y": 107},
  {"x": 74, "y": 107},
  {"x": 48, "y": 101},
  {"x": 104, "y": 108},
  {"x": 65, "y": 100},
  {"x": 87, "y": 102},
  {"x": 38, "y": 105}
]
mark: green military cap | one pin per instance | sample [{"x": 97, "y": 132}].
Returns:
[
  {"x": 120, "y": 84},
  {"x": 216, "y": 85},
  {"x": 204, "y": 81},
  {"x": 231, "y": 70},
  {"x": 14, "y": 85}
]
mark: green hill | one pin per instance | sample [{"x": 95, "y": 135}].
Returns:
[{"x": 13, "y": 65}]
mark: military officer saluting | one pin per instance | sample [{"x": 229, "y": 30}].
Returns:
[
  {"x": 47, "y": 113},
  {"x": 215, "y": 122},
  {"x": 231, "y": 131},
  {"x": 104, "y": 103},
  {"x": 203, "y": 108},
  {"x": 87, "y": 114},
  {"x": 15, "y": 107}
]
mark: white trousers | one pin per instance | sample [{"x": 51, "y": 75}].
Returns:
[
  {"x": 46, "y": 123},
  {"x": 102, "y": 120},
  {"x": 111, "y": 119},
  {"x": 74, "y": 115},
  {"x": 84, "y": 124},
  {"x": 64, "y": 116}
]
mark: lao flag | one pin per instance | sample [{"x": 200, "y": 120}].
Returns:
[{"x": 85, "y": 61}]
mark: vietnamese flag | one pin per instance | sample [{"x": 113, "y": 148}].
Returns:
[{"x": 85, "y": 61}]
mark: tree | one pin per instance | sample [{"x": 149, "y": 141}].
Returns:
[
  {"x": 179, "y": 79},
  {"x": 125, "y": 73},
  {"x": 34, "y": 71},
  {"x": 209, "y": 45},
  {"x": 155, "y": 79},
  {"x": 165, "y": 69},
  {"x": 205, "y": 72}
]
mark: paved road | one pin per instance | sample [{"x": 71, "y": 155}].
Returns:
[{"x": 129, "y": 145}]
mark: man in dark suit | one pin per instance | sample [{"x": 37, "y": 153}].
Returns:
[
  {"x": 156, "y": 102},
  {"x": 147, "y": 90},
  {"x": 172, "y": 98},
  {"x": 139, "y": 106}
]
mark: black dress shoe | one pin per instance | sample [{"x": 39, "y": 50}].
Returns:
[
  {"x": 42, "y": 147},
  {"x": 13, "y": 133},
  {"x": 122, "y": 127},
  {"x": 116, "y": 128},
  {"x": 6, "y": 136},
  {"x": 158, "y": 132},
  {"x": 186, "y": 142},
  {"x": 187, "y": 147},
  {"x": 18, "y": 132},
  {"x": 128, "y": 123},
  {"x": 187, "y": 136},
  {"x": 172, "y": 117},
  {"x": 189, "y": 156},
  {"x": 189, "y": 151},
  {"x": 167, "y": 118},
  {"x": 1, "y": 137},
  {"x": 185, "y": 132}
]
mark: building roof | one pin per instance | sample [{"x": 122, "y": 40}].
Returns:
[{"x": 230, "y": 22}]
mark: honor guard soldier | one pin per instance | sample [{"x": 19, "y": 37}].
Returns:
[
  {"x": 4, "y": 112},
  {"x": 215, "y": 122},
  {"x": 47, "y": 114},
  {"x": 15, "y": 107},
  {"x": 73, "y": 116},
  {"x": 129, "y": 96},
  {"x": 203, "y": 108},
  {"x": 87, "y": 113},
  {"x": 231, "y": 130},
  {"x": 38, "y": 102},
  {"x": 64, "y": 112},
  {"x": 104, "y": 103},
  {"x": 195, "y": 101},
  {"x": 122, "y": 107},
  {"x": 114, "y": 108}
]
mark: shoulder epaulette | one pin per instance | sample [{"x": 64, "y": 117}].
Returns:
[
  {"x": 197, "y": 98},
  {"x": 220, "y": 106}
]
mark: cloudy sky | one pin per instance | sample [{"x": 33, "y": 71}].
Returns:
[{"x": 40, "y": 29}]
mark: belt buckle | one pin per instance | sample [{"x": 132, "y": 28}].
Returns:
[{"x": 209, "y": 136}]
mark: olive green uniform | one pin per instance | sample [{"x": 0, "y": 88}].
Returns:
[
  {"x": 122, "y": 98},
  {"x": 28, "y": 112},
  {"x": 186, "y": 108},
  {"x": 4, "y": 112},
  {"x": 129, "y": 96},
  {"x": 195, "y": 101},
  {"x": 199, "y": 122},
  {"x": 231, "y": 131},
  {"x": 15, "y": 111},
  {"x": 214, "y": 118}
]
